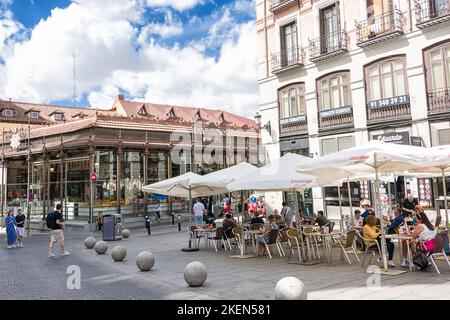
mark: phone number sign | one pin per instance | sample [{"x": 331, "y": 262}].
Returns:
[{"x": 388, "y": 102}]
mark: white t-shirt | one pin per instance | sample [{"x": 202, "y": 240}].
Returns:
[
  {"x": 198, "y": 209},
  {"x": 427, "y": 234}
]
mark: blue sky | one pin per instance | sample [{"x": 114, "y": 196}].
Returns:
[{"x": 185, "y": 52}]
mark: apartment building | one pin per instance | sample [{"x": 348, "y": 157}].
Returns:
[{"x": 335, "y": 73}]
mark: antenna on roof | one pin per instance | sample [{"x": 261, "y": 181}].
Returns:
[{"x": 74, "y": 81}]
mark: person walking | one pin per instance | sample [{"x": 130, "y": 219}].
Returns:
[
  {"x": 11, "y": 235},
  {"x": 287, "y": 213},
  {"x": 199, "y": 211},
  {"x": 20, "y": 224},
  {"x": 158, "y": 212},
  {"x": 56, "y": 224},
  {"x": 100, "y": 220}
]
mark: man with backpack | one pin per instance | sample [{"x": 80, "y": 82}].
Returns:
[{"x": 55, "y": 224}]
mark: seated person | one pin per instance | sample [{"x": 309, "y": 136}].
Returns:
[
  {"x": 356, "y": 220},
  {"x": 256, "y": 219},
  {"x": 228, "y": 224},
  {"x": 372, "y": 234},
  {"x": 371, "y": 213},
  {"x": 278, "y": 217},
  {"x": 264, "y": 238},
  {"x": 209, "y": 217},
  {"x": 366, "y": 211},
  {"x": 424, "y": 231},
  {"x": 320, "y": 219},
  {"x": 396, "y": 222}
]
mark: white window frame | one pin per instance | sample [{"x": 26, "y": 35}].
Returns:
[
  {"x": 36, "y": 113},
  {"x": 58, "y": 116},
  {"x": 301, "y": 102},
  {"x": 9, "y": 113}
]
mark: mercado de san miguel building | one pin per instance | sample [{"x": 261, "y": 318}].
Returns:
[
  {"x": 50, "y": 154},
  {"x": 334, "y": 74}
]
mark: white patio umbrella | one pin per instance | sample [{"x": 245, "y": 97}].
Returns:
[
  {"x": 280, "y": 175},
  {"x": 373, "y": 157},
  {"x": 439, "y": 164},
  {"x": 219, "y": 180},
  {"x": 182, "y": 186}
]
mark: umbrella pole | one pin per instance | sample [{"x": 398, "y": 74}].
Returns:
[
  {"x": 350, "y": 199},
  {"x": 341, "y": 222},
  {"x": 297, "y": 217},
  {"x": 444, "y": 188},
  {"x": 378, "y": 210},
  {"x": 389, "y": 199},
  {"x": 242, "y": 207},
  {"x": 190, "y": 206}
]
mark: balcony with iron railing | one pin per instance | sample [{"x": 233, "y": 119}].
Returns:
[
  {"x": 431, "y": 12},
  {"x": 329, "y": 45},
  {"x": 380, "y": 28},
  {"x": 287, "y": 59},
  {"x": 279, "y": 5},
  {"x": 296, "y": 124},
  {"x": 336, "y": 118},
  {"x": 388, "y": 110},
  {"x": 438, "y": 101}
]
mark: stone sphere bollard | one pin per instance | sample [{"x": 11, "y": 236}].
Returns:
[
  {"x": 290, "y": 288},
  {"x": 125, "y": 233},
  {"x": 145, "y": 260},
  {"x": 195, "y": 274},
  {"x": 118, "y": 253},
  {"x": 101, "y": 247},
  {"x": 90, "y": 242}
]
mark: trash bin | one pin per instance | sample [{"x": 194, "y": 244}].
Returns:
[{"x": 112, "y": 225}]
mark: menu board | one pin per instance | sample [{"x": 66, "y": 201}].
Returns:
[
  {"x": 364, "y": 192},
  {"x": 425, "y": 192},
  {"x": 411, "y": 187}
]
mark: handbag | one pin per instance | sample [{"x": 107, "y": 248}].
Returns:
[{"x": 420, "y": 260}]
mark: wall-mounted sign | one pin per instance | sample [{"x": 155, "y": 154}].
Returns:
[
  {"x": 425, "y": 192},
  {"x": 293, "y": 120},
  {"x": 336, "y": 112},
  {"x": 396, "y": 137},
  {"x": 388, "y": 102},
  {"x": 416, "y": 141}
]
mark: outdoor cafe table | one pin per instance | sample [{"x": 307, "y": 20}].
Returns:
[
  {"x": 327, "y": 241},
  {"x": 203, "y": 231},
  {"x": 401, "y": 238}
]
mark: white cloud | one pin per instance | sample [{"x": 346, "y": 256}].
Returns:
[
  {"x": 104, "y": 97},
  {"x": 176, "y": 4},
  {"x": 105, "y": 38},
  {"x": 170, "y": 27}
]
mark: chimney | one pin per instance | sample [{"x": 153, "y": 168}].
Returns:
[{"x": 119, "y": 97}]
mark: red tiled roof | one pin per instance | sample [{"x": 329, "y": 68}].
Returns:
[
  {"x": 45, "y": 111},
  {"x": 186, "y": 114}
]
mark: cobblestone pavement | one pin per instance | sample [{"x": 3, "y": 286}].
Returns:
[{"x": 27, "y": 273}]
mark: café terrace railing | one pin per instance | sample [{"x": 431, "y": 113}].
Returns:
[
  {"x": 431, "y": 12},
  {"x": 328, "y": 45},
  {"x": 380, "y": 28},
  {"x": 287, "y": 59}
]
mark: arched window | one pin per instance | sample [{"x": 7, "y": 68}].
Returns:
[
  {"x": 334, "y": 90},
  {"x": 437, "y": 62},
  {"x": 386, "y": 79},
  {"x": 292, "y": 100}
]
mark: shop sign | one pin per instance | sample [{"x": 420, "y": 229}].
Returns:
[
  {"x": 388, "y": 102},
  {"x": 396, "y": 137},
  {"x": 335, "y": 112},
  {"x": 293, "y": 120}
]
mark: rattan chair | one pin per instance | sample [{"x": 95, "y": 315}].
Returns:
[
  {"x": 348, "y": 246},
  {"x": 295, "y": 239}
]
